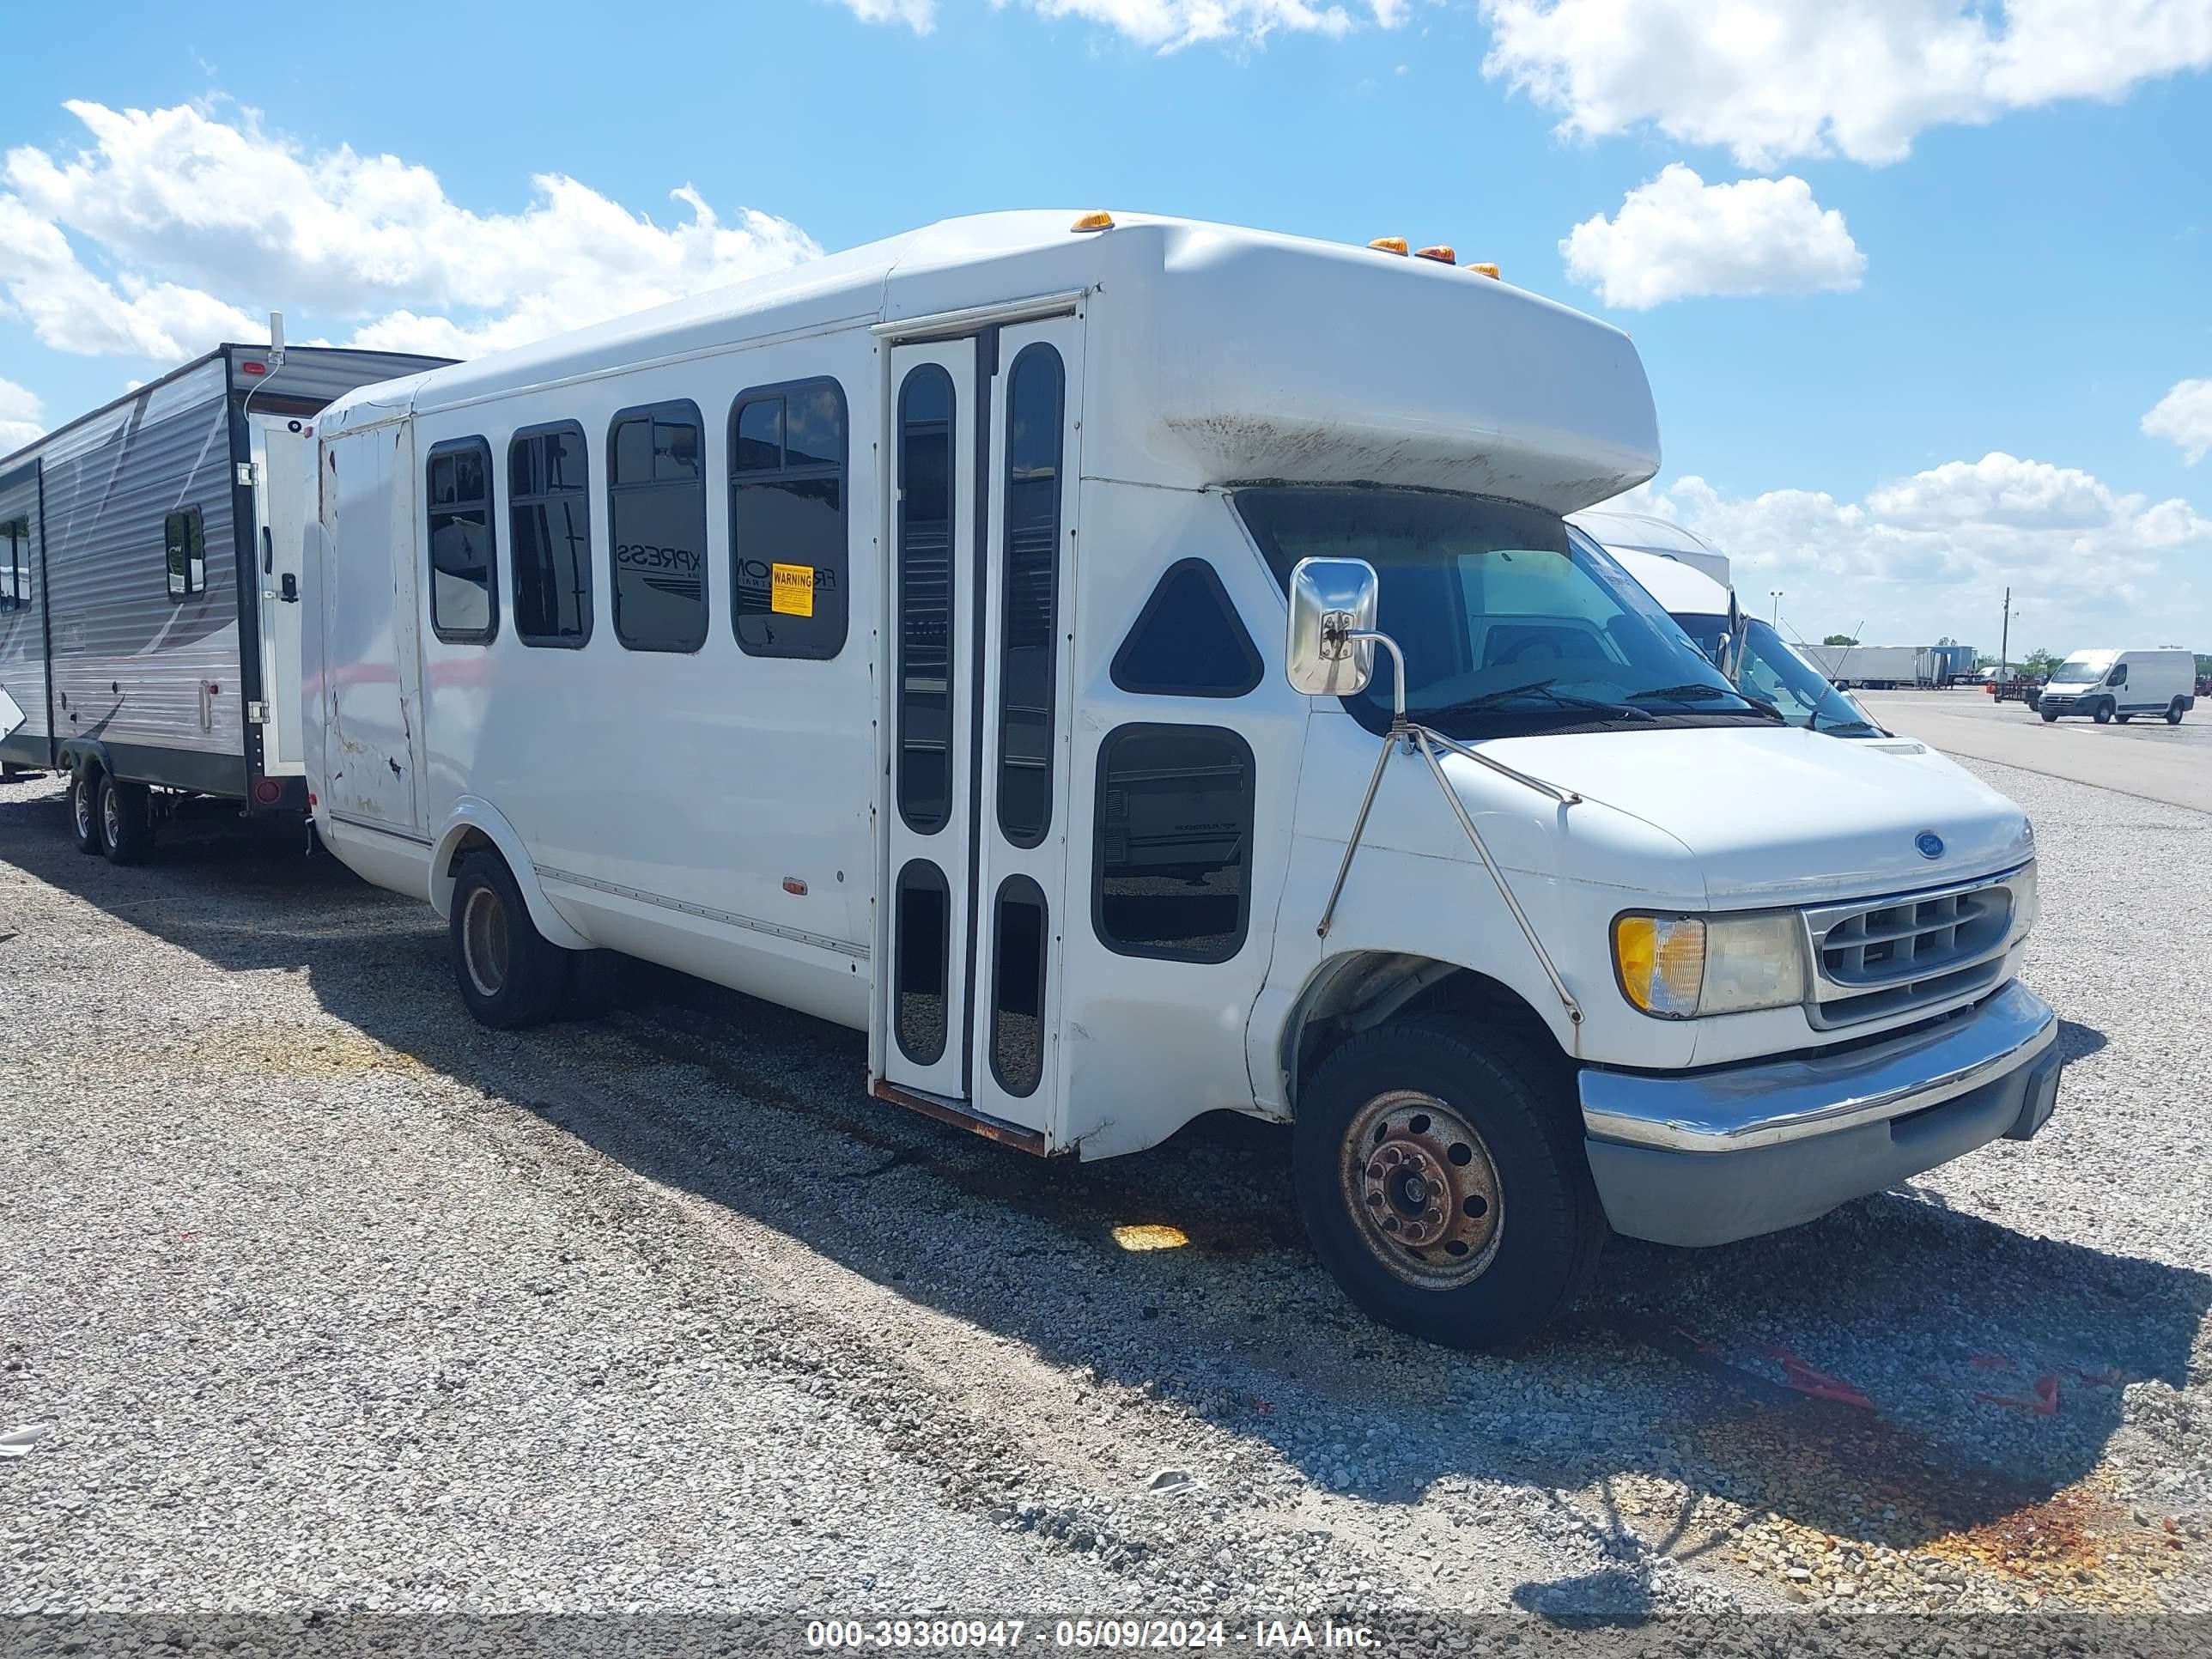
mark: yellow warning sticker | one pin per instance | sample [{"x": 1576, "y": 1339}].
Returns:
[{"x": 791, "y": 590}]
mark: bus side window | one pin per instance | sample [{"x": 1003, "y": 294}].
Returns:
[
  {"x": 464, "y": 555},
  {"x": 790, "y": 567}
]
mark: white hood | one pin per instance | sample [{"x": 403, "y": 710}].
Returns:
[{"x": 1780, "y": 815}]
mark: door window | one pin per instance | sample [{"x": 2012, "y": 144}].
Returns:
[
  {"x": 1028, "y": 595},
  {"x": 924, "y": 915},
  {"x": 1017, "y": 970},
  {"x": 927, "y": 480}
]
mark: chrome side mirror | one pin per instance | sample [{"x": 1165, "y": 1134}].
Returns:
[{"x": 1332, "y": 602}]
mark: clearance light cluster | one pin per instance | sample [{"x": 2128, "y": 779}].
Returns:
[{"x": 1443, "y": 253}]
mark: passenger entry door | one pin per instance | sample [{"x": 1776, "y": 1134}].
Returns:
[{"x": 981, "y": 463}]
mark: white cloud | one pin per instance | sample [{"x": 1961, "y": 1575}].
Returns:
[
  {"x": 1677, "y": 236},
  {"x": 20, "y": 414},
  {"x": 1771, "y": 79},
  {"x": 187, "y": 208},
  {"x": 1163, "y": 25},
  {"x": 2184, "y": 414},
  {"x": 1931, "y": 554},
  {"x": 920, "y": 16}
]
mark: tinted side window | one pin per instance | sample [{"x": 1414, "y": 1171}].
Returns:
[
  {"x": 657, "y": 522},
  {"x": 790, "y": 570},
  {"x": 1171, "y": 870},
  {"x": 923, "y": 978},
  {"x": 549, "y": 511},
  {"x": 183, "y": 551},
  {"x": 1188, "y": 641},
  {"x": 1030, "y": 590},
  {"x": 926, "y": 486},
  {"x": 1018, "y": 959},
  {"x": 464, "y": 593},
  {"x": 14, "y": 563}
]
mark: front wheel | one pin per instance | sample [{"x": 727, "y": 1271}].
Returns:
[
  {"x": 1442, "y": 1185},
  {"x": 2049, "y": 717},
  {"x": 2104, "y": 713}
]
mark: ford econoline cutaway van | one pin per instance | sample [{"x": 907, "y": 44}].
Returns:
[{"x": 1134, "y": 668}]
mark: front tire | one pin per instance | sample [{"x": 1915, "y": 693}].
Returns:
[
  {"x": 2049, "y": 717},
  {"x": 1443, "y": 1187},
  {"x": 509, "y": 973},
  {"x": 2104, "y": 714},
  {"x": 84, "y": 812},
  {"x": 126, "y": 821}
]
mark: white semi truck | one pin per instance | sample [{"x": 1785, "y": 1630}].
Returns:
[{"x": 1133, "y": 668}]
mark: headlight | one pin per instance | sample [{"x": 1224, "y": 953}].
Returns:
[{"x": 1680, "y": 967}]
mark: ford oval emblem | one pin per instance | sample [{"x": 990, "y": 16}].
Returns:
[{"x": 1929, "y": 843}]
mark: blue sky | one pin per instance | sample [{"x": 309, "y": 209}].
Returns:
[{"x": 1905, "y": 324}]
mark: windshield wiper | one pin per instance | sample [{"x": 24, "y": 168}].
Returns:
[
  {"x": 1537, "y": 689},
  {"x": 1700, "y": 692}
]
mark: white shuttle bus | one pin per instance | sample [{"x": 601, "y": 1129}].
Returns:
[{"x": 1139, "y": 669}]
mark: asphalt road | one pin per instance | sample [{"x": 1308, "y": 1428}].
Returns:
[{"x": 2145, "y": 757}]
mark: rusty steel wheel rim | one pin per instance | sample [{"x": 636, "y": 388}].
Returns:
[
  {"x": 483, "y": 941},
  {"x": 1422, "y": 1190}
]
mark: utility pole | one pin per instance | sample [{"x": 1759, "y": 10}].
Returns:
[{"x": 2004, "y": 640}]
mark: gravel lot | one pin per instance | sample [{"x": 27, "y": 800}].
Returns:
[{"x": 327, "y": 1297}]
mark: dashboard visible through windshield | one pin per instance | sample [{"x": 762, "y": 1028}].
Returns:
[{"x": 1510, "y": 621}]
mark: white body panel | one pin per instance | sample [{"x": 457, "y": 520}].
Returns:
[
  {"x": 2135, "y": 682},
  {"x": 741, "y": 817}
]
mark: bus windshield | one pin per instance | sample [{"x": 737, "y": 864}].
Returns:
[{"x": 1512, "y": 621}]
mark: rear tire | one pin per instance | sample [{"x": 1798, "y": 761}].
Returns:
[
  {"x": 2173, "y": 713},
  {"x": 84, "y": 812},
  {"x": 509, "y": 973},
  {"x": 2104, "y": 713},
  {"x": 126, "y": 821},
  {"x": 1443, "y": 1187}
]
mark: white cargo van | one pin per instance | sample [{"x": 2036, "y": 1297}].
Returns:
[
  {"x": 1138, "y": 668},
  {"x": 2117, "y": 685}
]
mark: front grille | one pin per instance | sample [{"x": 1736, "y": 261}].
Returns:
[{"x": 1914, "y": 951}]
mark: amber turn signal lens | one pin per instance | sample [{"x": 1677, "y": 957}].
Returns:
[
  {"x": 1442, "y": 253},
  {"x": 1488, "y": 270},
  {"x": 1094, "y": 222},
  {"x": 1388, "y": 245}
]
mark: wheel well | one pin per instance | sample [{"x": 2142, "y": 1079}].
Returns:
[
  {"x": 1356, "y": 993},
  {"x": 472, "y": 840}
]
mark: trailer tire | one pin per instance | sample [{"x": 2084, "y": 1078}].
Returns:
[
  {"x": 126, "y": 820},
  {"x": 1484, "y": 1225},
  {"x": 2173, "y": 713},
  {"x": 509, "y": 973},
  {"x": 2104, "y": 713},
  {"x": 84, "y": 811}
]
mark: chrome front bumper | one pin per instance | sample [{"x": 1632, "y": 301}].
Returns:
[{"x": 1704, "y": 1157}]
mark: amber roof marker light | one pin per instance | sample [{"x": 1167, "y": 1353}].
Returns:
[
  {"x": 1101, "y": 221},
  {"x": 1488, "y": 270},
  {"x": 1388, "y": 245},
  {"x": 1443, "y": 253}
]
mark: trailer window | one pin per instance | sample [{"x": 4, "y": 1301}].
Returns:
[
  {"x": 657, "y": 519},
  {"x": 1188, "y": 640},
  {"x": 14, "y": 573},
  {"x": 925, "y": 486},
  {"x": 463, "y": 590},
  {"x": 1170, "y": 871},
  {"x": 925, "y": 957},
  {"x": 184, "y": 551},
  {"x": 1018, "y": 968},
  {"x": 549, "y": 526},
  {"x": 789, "y": 567},
  {"x": 1029, "y": 627}
]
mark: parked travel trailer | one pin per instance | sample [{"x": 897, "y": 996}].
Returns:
[
  {"x": 1749, "y": 651},
  {"x": 149, "y": 589},
  {"x": 1064, "y": 650},
  {"x": 2117, "y": 685}
]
